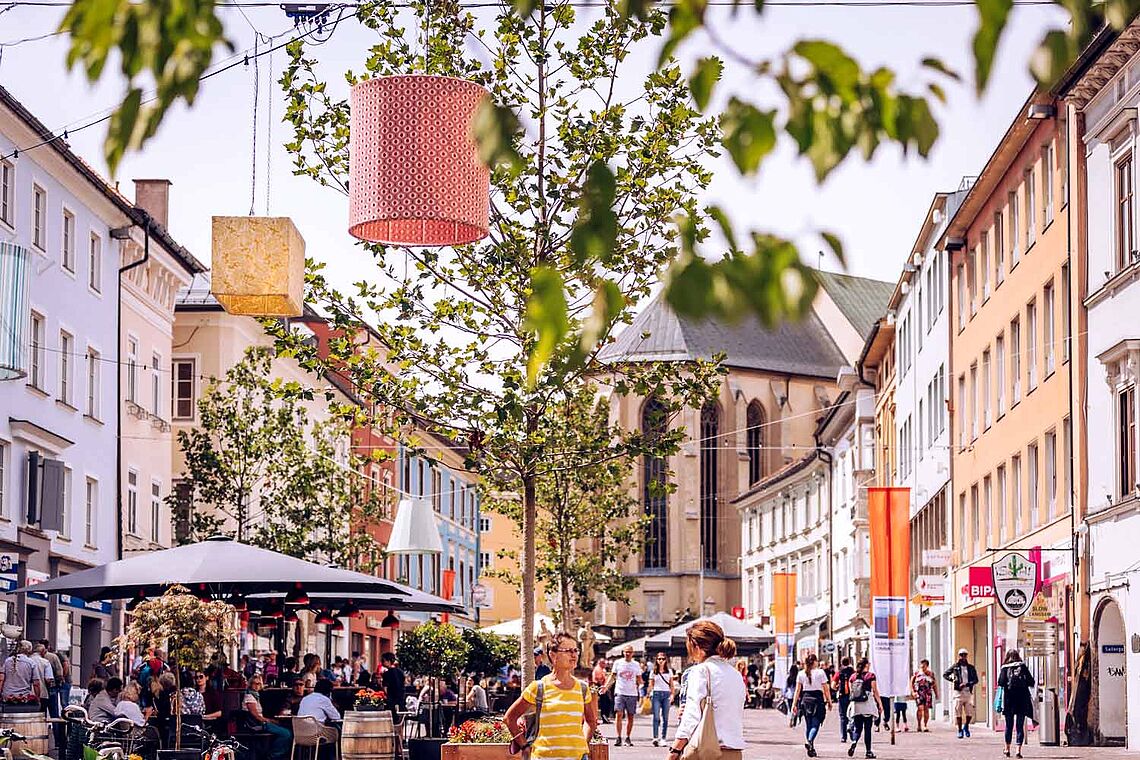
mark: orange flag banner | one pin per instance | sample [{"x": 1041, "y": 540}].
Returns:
[
  {"x": 888, "y": 514},
  {"x": 784, "y": 621}
]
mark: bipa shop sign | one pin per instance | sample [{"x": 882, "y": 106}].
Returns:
[{"x": 979, "y": 584}]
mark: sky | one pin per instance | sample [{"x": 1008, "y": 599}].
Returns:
[{"x": 876, "y": 207}]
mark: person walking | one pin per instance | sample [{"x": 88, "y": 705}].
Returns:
[
  {"x": 924, "y": 689},
  {"x": 712, "y": 679},
  {"x": 963, "y": 676},
  {"x": 1016, "y": 683},
  {"x": 598, "y": 679},
  {"x": 866, "y": 706},
  {"x": 663, "y": 686},
  {"x": 790, "y": 691},
  {"x": 812, "y": 700},
  {"x": 842, "y": 692},
  {"x": 626, "y": 680},
  {"x": 568, "y": 710}
]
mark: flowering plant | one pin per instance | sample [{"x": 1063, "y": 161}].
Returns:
[
  {"x": 21, "y": 699},
  {"x": 370, "y": 698},
  {"x": 480, "y": 732}
]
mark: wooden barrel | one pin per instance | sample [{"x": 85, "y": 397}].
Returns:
[
  {"x": 35, "y": 729},
  {"x": 368, "y": 735}
]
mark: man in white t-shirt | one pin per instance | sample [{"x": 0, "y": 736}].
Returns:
[{"x": 626, "y": 680}]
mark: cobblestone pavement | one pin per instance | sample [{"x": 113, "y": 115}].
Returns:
[{"x": 769, "y": 737}]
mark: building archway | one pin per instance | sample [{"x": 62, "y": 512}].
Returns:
[{"x": 1111, "y": 674}]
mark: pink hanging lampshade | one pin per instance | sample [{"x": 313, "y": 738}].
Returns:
[{"x": 415, "y": 177}]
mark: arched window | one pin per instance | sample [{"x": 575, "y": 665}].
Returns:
[
  {"x": 655, "y": 554},
  {"x": 755, "y": 443},
  {"x": 710, "y": 488}
]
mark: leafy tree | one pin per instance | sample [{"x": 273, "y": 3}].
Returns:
[
  {"x": 259, "y": 470},
  {"x": 487, "y": 653},
  {"x": 433, "y": 650},
  {"x": 458, "y": 323}
]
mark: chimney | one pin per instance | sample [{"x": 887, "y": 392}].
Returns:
[{"x": 153, "y": 197}]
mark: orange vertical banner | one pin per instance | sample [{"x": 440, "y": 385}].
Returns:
[
  {"x": 888, "y": 514},
  {"x": 784, "y": 621}
]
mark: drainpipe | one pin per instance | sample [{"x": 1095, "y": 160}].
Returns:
[{"x": 825, "y": 455}]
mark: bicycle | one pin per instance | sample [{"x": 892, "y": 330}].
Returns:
[
  {"x": 7, "y": 736},
  {"x": 215, "y": 748},
  {"x": 112, "y": 740}
]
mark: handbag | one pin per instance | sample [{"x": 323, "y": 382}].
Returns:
[
  {"x": 646, "y": 706},
  {"x": 704, "y": 743},
  {"x": 999, "y": 699}
]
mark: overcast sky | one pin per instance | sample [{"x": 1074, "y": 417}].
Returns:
[{"x": 877, "y": 207}]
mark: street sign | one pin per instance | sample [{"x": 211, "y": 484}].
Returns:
[
  {"x": 1015, "y": 581},
  {"x": 827, "y": 647}
]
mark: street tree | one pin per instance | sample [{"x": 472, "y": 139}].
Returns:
[{"x": 457, "y": 326}]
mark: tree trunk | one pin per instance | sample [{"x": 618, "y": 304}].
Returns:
[{"x": 530, "y": 513}]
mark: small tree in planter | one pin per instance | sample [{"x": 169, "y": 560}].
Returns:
[
  {"x": 487, "y": 653},
  {"x": 435, "y": 650},
  {"x": 188, "y": 627}
]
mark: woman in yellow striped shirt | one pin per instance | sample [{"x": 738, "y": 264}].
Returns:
[{"x": 569, "y": 713}]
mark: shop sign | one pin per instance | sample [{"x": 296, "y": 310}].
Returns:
[
  {"x": 931, "y": 588},
  {"x": 936, "y": 558},
  {"x": 1014, "y": 583},
  {"x": 372, "y": 623},
  {"x": 980, "y": 584},
  {"x": 1039, "y": 611}
]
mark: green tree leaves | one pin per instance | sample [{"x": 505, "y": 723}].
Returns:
[
  {"x": 992, "y": 17},
  {"x": 749, "y": 134}
]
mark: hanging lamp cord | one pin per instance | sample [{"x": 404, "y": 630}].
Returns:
[{"x": 253, "y": 158}]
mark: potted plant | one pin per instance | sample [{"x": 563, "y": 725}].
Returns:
[
  {"x": 478, "y": 740},
  {"x": 24, "y": 703},
  {"x": 435, "y": 650},
  {"x": 370, "y": 700}
]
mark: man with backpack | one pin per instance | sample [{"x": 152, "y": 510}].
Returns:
[
  {"x": 841, "y": 688},
  {"x": 964, "y": 677}
]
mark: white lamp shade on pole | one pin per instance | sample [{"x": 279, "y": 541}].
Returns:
[
  {"x": 415, "y": 530},
  {"x": 14, "y": 314}
]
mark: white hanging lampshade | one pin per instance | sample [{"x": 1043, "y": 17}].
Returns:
[
  {"x": 258, "y": 266},
  {"x": 414, "y": 531},
  {"x": 14, "y": 314},
  {"x": 415, "y": 177}
]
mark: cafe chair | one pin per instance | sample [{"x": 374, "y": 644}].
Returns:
[{"x": 308, "y": 732}]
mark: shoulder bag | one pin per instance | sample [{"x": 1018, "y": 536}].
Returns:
[{"x": 704, "y": 743}]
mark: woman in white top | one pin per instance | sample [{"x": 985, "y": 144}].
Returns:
[
  {"x": 661, "y": 685},
  {"x": 128, "y": 705},
  {"x": 714, "y": 677},
  {"x": 812, "y": 699}
]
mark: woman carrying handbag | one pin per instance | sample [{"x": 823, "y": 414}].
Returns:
[{"x": 712, "y": 724}]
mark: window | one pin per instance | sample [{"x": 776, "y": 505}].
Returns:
[
  {"x": 984, "y": 264},
  {"x": 3, "y": 475},
  {"x": 1066, "y": 305},
  {"x": 92, "y": 384},
  {"x": 975, "y": 521},
  {"x": 155, "y": 384},
  {"x": 999, "y": 248},
  {"x": 986, "y": 370},
  {"x": 962, "y": 520},
  {"x": 1067, "y": 461},
  {"x": 972, "y": 278},
  {"x": 710, "y": 485},
  {"x": 1048, "y": 337},
  {"x": 960, "y": 412},
  {"x": 39, "y": 217},
  {"x": 930, "y": 297},
  {"x": 1002, "y": 506},
  {"x": 1034, "y": 475},
  {"x": 65, "y": 505},
  {"x": 7, "y": 187},
  {"x": 1015, "y": 494},
  {"x": 755, "y": 442},
  {"x": 95, "y": 264},
  {"x": 485, "y": 561},
  {"x": 974, "y": 406},
  {"x": 1031, "y": 343},
  {"x": 1047, "y": 184},
  {"x": 999, "y": 378},
  {"x": 66, "y": 346},
  {"x": 654, "y": 498},
  {"x": 182, "y": 391},
  {"x": 922, "y": 424},
  {"x": 1125, "y": 213},
  {"x": 67, "y": 258},
  {"x": 941, "y": 398},
  {"x": 1051, "y": 472},
  {"x": 132, "y": 369},
  {"x": 484, "y": 524},
  {"x": 961, "y": 280},
  {"x": 37, "y": 374},
  {"x": 1014, "y": 231},
  {"x": 1030, "y": 209},
  {"x": 90, "y": 511},
  {"x": 1015, "y": 361},
  {"x": 155, "y": 510},
  {"x": 1126, "y": 466},
  {"x": 132, "y": 502},
  {"x": 988, "y": 502}
]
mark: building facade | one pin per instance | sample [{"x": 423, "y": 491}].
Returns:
[{"x": 1009, "y": 386}]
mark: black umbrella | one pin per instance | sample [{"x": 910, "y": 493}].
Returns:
[
  {"x": 412, "y": 601},
  {"x": 218, "y": 567}
]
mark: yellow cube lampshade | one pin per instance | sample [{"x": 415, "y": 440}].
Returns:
[{"x": 258, "y": 266}]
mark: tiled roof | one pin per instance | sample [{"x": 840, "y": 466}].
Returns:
[
  {"x": 657, "y": 334},
  {"x": 862, "y": 301}
]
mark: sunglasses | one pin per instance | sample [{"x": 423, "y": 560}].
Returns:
[{"x": 574, "y": 651}]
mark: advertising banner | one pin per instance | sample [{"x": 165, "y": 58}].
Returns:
[
  {"x": 1015, "y": 583},
  {"x": 888, "y": 512},
  {"x": 784, "y": 621}
]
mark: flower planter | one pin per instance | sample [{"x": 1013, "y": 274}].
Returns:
[
  {"x": 20, "y": 707},
  {"x": 499, "y": 752}
]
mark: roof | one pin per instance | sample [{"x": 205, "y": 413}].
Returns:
[
  {"x": 863, "y": 301},
  {"x": 779, "y": 475},
  {"x": 197, "y": 296},
  {"x": 658, "y": 334},
  {"x": 136, "y": 214}
]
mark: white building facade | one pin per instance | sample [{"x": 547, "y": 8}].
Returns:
[{"x": 922, "y": 357}]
